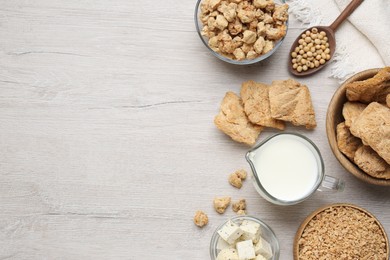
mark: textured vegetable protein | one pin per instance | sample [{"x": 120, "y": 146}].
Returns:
[
  {"x": 241, "y": 30},
  {"x": 342, "y": 232},
  {"x": 201, "y": 219}
]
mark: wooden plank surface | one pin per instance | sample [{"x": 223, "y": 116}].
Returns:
[{"x": 107, "y": 142}]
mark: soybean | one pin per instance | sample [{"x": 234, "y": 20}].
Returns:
[{"x": 312, "y": 50}]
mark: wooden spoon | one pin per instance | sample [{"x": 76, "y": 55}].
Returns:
[{"x": 330, "y": 33}]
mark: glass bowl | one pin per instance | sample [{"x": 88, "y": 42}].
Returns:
[
  {"x": 204, "y": 39},
  {"x": 266, "y": 233}
]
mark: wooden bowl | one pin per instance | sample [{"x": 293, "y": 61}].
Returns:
[
  {"x": 320, "y": 210},
  {"x": 334, "y": 117}
]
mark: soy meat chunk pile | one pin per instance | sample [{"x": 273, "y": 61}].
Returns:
[
  {"x": 242, "y": 30},
  {"x": 364, "y": 137},
  {"x": 262, "y": 105},
  {"x": 342, "y": 232}
]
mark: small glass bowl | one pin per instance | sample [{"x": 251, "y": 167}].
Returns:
[
  {"x": 199, "y": 26},
  {"x": 266, "y": 233}
]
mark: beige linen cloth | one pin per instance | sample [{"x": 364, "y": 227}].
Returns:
[{"x": 363, "y": 41}]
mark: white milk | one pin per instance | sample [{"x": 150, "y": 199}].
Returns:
[{"x": 286, "y": 167}]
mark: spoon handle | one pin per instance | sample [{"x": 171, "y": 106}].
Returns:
[{"x": 345, "y": 13}]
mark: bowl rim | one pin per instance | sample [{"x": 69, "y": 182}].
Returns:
[
  {"x": 304, "y": 223},
  {"x": 215, "y": 236},
  {"x": 331, "y": 124},
  {"x": 198, "y": 27}
]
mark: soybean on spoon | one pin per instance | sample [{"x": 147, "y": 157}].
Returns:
[{"x": 330, "y": 33}]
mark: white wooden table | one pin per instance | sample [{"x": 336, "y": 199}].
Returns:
[{"x": 107, "y": 141}]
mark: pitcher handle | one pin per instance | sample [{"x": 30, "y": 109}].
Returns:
[{"x": 331, "y": 183}]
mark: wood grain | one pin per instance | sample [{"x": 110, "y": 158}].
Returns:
[{"x": 107, "y": 142}]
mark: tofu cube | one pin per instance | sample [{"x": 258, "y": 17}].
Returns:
[
  {"x": 245, "y": 250},
  {"x": 251, "y": 230},
  {"x": 260, "y": 257},
  {"x": 230, "y": 232},
  {"x": 228, "y": 254},
  {"x": 222, "y": 244},
  {"x": 263, "y": 248}
]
